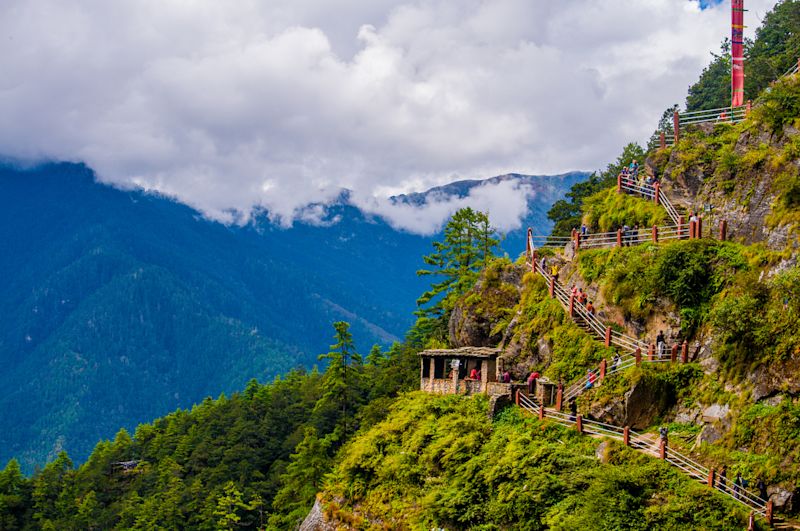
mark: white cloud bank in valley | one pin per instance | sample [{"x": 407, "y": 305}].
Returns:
[{"x": 231, "y": 105}]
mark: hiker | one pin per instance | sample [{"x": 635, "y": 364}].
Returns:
[
  {"x": 663, "y": 433},
  {"x": 478, "y": 375},
  {"x": 762, "y": 490},
  {"x": 589, "y": 379},
  {"x": 554, "y": 272},
  {"x": 583, "y": 297},
  {"x": 693, "y": 217},
  {"x": 543, "y": 264},
  {"x": 616, "y": 362},
  {"x": 634, "y": 235},
  {"x": 737, "y": 485},
  {"x": 473, "y": 374},
  {"x": 574, "y": 291},
  {"x": 722, "y": 476},
  {"x": 625, "y": 230},
  {"x": 660, "y": 344},
  {"x": 532, "y": 382},
  {"x": 590, "y": 308},
  {"x": 584, "y": 229},
  {"x": 506, "y": 376},
  {"x": 573, "y": 410}
]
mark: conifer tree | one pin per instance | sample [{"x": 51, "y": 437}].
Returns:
[
  {"x": 342, "y": 384},
  {"x": 469, "y": 243}
]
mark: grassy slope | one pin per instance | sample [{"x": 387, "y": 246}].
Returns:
[{"x": 437, "y": 461}]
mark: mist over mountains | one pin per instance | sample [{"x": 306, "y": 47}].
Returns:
[{"x": 119, "y": 306}]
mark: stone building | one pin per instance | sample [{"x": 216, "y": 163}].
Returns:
[{"x": 447, "y": 371}]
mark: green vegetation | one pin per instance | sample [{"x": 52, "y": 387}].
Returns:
[
  {"x": 567, "y": 214},
  {"x": 608, "y": 210},
  {"x": 255, "y": 458},
  {"x": 687, "y": 274},
  {"x": 468, "y": 245},
  {"x": 439, "y": 462}
]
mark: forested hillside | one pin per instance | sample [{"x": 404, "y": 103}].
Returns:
[{"x": 120, "y": 306}]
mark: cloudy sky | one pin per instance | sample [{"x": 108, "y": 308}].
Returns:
[{"x": 279, "y": 103}]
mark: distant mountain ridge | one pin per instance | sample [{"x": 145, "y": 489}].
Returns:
[
  {"x": 546, "y": 184},
  {"x": 119, "y": 306}
]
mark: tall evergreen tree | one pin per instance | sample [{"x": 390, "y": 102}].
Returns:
[
  {"x": 342, "y": 384},
  {"x": 469, "y": 242}
]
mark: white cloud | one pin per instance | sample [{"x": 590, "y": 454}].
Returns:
[
  {"x": 231, "y": 105},
  {"x": 505, "y": 201}
]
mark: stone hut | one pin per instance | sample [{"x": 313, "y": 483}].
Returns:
[{"x": 447, "y": 371}]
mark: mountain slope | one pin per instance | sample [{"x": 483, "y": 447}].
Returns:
[{"x": 120, "y": 306}]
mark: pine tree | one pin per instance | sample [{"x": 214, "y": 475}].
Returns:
[
  {"x": 469, "y": 242},
  {"x": 342, "y": 384},
  {"x": 301, "y": 482}
]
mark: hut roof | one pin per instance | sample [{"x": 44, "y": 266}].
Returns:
[{"x": 463, "y": 352}]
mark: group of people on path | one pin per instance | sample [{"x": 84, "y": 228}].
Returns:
[
  {"x": 630, "y": 177},
  {"x": 582, "y": 298}
]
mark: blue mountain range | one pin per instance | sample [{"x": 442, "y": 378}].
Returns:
[{"x": 117, "y": 306}]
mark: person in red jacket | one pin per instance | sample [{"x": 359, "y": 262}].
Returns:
[{"x": 532, "y": 382}]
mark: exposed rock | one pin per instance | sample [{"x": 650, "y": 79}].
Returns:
[
  {"x": 709, "y": 434},
  {"x": 315, "y": 521},
  {"x": 781, "y": 498},
  {"x": 774, "y": 400},
  {"x": 601, "y": 452},
  {"x": 476, "y": 314},
  {"x": 717, "y": 421},
  {"x": 498, "y": 403},
  {"x": 716, "y": 412},
  {"x": 647, "y": 400},
  {"x": 767, "y": 380},
  {"x": 687, "y": 416}
]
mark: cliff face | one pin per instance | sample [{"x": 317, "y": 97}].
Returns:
[{"x": 747, "y": 174}]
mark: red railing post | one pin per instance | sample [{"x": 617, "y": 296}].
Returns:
[
  {"x": 751, "y": 522},
  {"x": 579, "y": 423},
  {"x": 626, "y": 436},
  {"x": 711, "y": 475},
  {"x": 577, "y": 240},
  {"x": 662, "y": 449},
  {"x": 674, "y": 353},
  {"x": 572, "y": 305},
  {"x": 552, "y": 287},
  {"x": 656, "y": 188},
  {"x": 619, "y": 183},
  {"x": 681, "y": 222},
  {"x": 528, "y": 243},
  {"x": 699, "y": 229},
  {"x": 676, "y": 125},
  {"x": 603, "y": 364},
  {"x": 608, "y": 336},
  {"x": 541, "y": 412},
  {"x": 533, "y": 261},
  {"x": 516, "y": 397},
  {"x": 768, "y": 515},
  {"x": 619, "y": 237},
  {"x": 651, "y": 350},
  {"x": 692, "y": 229},
  {"x": 748, "y": 108},
  {"x": 559, "y": 396},
  {"x": 638, "y": 356},
  {"x": 655, "y": 234},
  {"x": 685, "y": 352},
  {"x": 723, "y": 229},
  {"x": 662, "y": 140}
]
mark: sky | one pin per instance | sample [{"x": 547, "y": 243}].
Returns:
[{"x": 231, "y": 106}]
